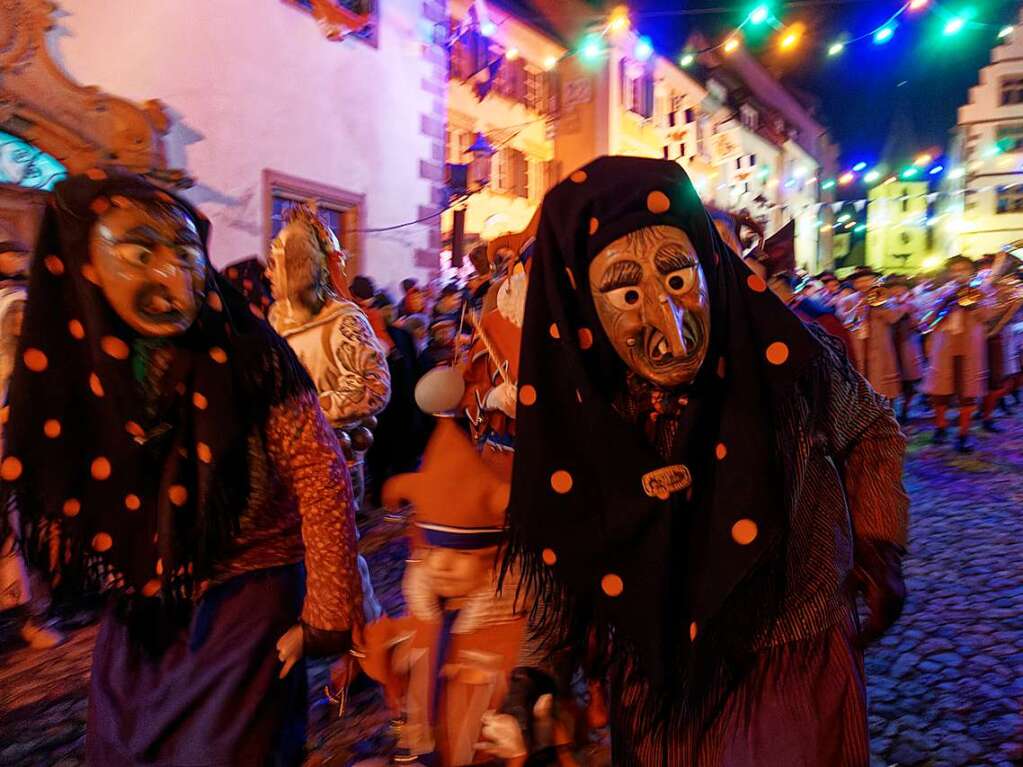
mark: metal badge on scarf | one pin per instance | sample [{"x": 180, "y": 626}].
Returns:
[{"x": 661, "y": 483}]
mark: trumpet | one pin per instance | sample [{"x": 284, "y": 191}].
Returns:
[
  {"x": 876, "y": 297},
  {"x": 962, "y": 297},
  {"x": 1008, "y": 301}
]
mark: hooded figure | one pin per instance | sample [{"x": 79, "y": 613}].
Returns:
[
  {"x": 694, "y": 471},
  {"x": 165, "y": 446}
]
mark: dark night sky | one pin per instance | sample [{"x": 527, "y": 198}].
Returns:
[{"x": 916, "y": 81}]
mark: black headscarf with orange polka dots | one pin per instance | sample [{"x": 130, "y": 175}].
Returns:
[
  {"x": 669, "y": 580},
  {"x": 117, "y": 489}
]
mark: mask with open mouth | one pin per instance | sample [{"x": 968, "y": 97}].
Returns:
[
  {"x": 651, "y": 296},
  {"x": 149, "y": 260}
]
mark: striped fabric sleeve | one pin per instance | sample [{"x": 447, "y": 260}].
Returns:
[
  {"x": 868, "y": 447},
  {"x": 308, "y": 459}
]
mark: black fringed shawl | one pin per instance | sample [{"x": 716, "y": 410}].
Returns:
[
  {"x": 680, "y": 585},
  {"x": 128, "y": 475}
]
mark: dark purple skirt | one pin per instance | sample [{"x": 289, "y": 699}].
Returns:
[
  {"x": 212, "y": 699},
  {"x": 803, "y": 705}
]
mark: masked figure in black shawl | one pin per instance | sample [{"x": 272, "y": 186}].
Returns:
[
  {"x": 165, "y": 445},
  {"x": 701, "y": 482}
]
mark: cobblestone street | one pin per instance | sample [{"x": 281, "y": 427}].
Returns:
[{"x": 946, "y": 686}]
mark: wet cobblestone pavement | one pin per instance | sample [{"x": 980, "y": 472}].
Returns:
[{"x": 946, "y": 685}]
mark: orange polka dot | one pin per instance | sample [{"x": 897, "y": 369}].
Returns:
[
  {"x": 744, "y": 532},
  {"x": 102, "y": 542},
  {"x": 527, "y": 395},
  {"x": 101, "y": 469},
  {"x": 756, "y": 284},
  {"x": 100, "y": 206},
  {"x": 579, "y": 176},
  {"x": 218, "y": 355},
  {"x": 256, "y": 311},
  {"x": 178, "y": 495},
  {"x": 721, "y": 451},
  {"x": 134, "y": 429},
  {"x": 52, "y": 428},
  {"x": 132, "y": 502},
  {"x": 159, "y": 567},
  {"x": 232, "y": 273},
  {"x": 549, "y": 557},
  {"x": 54, "y": 265},
  {"x": 777, "y": 353},
  {"x": 594, "y": 226},
  {"x": 35, "y": 360},
  {"x": 612, "y": 585},
  {"x": 89, "y": 273},
  {"x": 247, "y": 284},
  {"x": 200, "y": 401},
  {"x": 555, "y": 333},
  {"x": 692, "y": 632},
  {"x": 202, "y": 450},
  {"x": 152, "y": 588},
  {"x": 722, "y": 367},
  {"x": 96, "y": 385},
  {"x": 215, "y": 303},
  {"x": 585, "y": 338},
  {"x": 571, "y": 277},
  {"x": 76, "y": 329},
  {"x": 72, "y": 507},
  {"x": 10, "y": 469},
  {"x": 115, "y": 347},
  {"x": 658, "y": 202},
  {"x": 180, "y": 388},
  {"x": 561, "y": 481},
  {"x": 96, "y": 174}
]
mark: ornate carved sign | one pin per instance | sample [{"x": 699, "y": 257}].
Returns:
[{"x": 80, "y": 126}]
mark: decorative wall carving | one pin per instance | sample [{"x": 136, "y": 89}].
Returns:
[{"x": 81, "y": 126}]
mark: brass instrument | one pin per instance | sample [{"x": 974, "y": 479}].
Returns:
[
  {"x": 875, "y": 298},
  {"x": 963, "y": 297},
  {"x": 1008, "y": 301}
]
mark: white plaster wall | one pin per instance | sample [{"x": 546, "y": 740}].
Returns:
[{"x": 255, "y": 84}]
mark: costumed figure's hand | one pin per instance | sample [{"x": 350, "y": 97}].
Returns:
[
  {"x": 503, "y": 397},
  {"x": 501, "y": 736},
  {"x": 290, "y": 649},
  {"x": 878, "y": 574}
]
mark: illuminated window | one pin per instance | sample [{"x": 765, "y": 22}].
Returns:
[
  {"x": 511, "y": 172},
  {"x": 1012, "y": 90},
  {"x": 1010, "y": 137},
  {"x": 637, "y": 84},
  {"x": 22, "y": 164},
  {"x": 1010, "y": 199}
]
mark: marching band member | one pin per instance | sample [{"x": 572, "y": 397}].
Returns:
[
  {"x": 870, "y": 316},
  {"x": 909, "y": 352},
  {"x": 956, "y": 324}
]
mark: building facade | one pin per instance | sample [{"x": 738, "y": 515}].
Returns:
[
  {"x": 986, "y": 204},
  {"x": 259, "y": 104},
  {"x": 898, "y": 234}
]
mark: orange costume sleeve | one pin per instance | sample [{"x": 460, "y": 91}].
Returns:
[{"x": 308, "y": 459}]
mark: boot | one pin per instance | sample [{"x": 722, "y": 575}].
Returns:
[{"x": 963, "y": 444}]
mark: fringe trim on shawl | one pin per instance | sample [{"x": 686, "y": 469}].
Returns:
[{"x": 722, "y": 657}]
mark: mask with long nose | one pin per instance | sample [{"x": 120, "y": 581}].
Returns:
[
  {"x": 651, "y": 296},
  {"x": 149, "y": 260}
]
